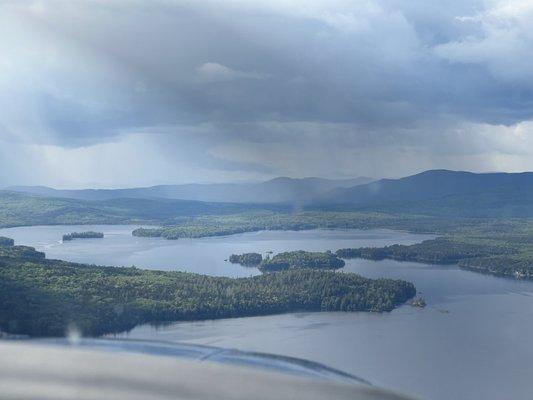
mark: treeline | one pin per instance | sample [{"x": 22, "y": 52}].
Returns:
[
  {"x": 436, "y": 251},
  {"x": 511, "y": 266},
  {"x": 82, "y": 235},
  {"x": 42, "y": 297},
  {"x": 206, "y": 226},
  {"x": 504, "y": 252},
  {"x": 191, "y": 231},
  {"x": 301, "y": 259},
  {"x": 19, "y": 209},
  {"x": 251, "y": 259},
  {"x": 289, "y": 260}
]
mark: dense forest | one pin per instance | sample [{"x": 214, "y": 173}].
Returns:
[
  {"x": 301, "y": 259},
  {"x": 437, "y": 251},
  {"x": 41, "y": 297},
  {"x": 251, "y": 259},
  {"x": 500, "y": 247},
  {"x": 82, "y": 235},
  {"x": 222, "y": 225},
  {"x": 289, "y": 260}
]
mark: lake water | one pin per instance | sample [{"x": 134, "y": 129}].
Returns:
[
  {"x": 203, "y": 255},
  {"x": 474, "y": 340}
]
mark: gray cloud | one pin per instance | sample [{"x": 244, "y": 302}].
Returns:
[{"x": 246, "y": 90}]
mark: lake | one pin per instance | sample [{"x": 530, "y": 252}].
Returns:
[
  {"x": 472, "y": 341},
  {"x": 203, "y": 255}
]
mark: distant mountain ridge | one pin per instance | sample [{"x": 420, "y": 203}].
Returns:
[
  {"x": 435, "y": 192},
  {"x": 432, "y": 184},
  {"x": 443, "y": 192},
  {"x": 278, "y": 190}
]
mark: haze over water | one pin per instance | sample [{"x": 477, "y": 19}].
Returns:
[{"x": 472, "y": 341}]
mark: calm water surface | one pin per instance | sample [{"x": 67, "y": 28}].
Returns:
[
  {"x": 472, "y": 341},
  {"x": 204, "y": 255}
]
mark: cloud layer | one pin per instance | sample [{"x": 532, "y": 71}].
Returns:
[{"x": 177, "y": 91}]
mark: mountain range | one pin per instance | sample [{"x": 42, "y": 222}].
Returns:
[
  {"x": 278, "y": 190},
  {"x": 442, "y": 192},
  {"x": 434, "y": 192}
]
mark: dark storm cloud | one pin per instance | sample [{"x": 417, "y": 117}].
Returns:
[{"x": 372, "y": 75}]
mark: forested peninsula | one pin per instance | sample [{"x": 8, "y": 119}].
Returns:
[
  {"x": 503, "y": 249},
  {"x": 223, "y": 225},
  {"x": 41, "y": 297}
]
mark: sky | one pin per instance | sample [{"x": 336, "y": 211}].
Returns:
[{"x": 108, "y": 93}]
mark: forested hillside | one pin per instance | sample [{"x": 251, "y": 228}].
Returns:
[
  {"x": 18, "y": 209},
  {"x": 441, "y": 193},
  {"x": 42, "y": 297},
  {"x": 278, "y": 190}
]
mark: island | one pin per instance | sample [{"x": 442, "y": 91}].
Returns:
[
  {"x": 289, "y": 260},
  {"x": 42, "y": 297},
  {"x": 301, "y": 259},
  {"x": 246, "y": 259},
  {"x": 82, "y": 235}
]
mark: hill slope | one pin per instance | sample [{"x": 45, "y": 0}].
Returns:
[
  {"x": 278, "y": 190},
  {"x": 23, "y": 209},
  {"x": 443, "y": 192}
]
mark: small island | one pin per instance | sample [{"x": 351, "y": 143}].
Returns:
[
  {"x": 82, "y": 235},
  {"x": 246, "y": 259},
  {"x": 301, "y": 259}
]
